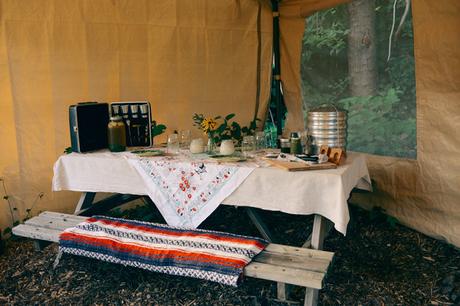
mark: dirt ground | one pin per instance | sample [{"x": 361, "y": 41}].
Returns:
[{"x": 377, "y": 263}]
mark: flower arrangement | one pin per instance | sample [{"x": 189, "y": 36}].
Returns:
[{"x": 221, "y": 128}]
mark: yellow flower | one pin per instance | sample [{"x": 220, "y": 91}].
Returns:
[{"x": 208, "y": 125}]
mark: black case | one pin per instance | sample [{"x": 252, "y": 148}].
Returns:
[
  {"x": 137, "y": 116},
  {"x": 88, "y": 126}
]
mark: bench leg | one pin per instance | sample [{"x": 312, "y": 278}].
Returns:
[
  {"x": 311, "y": 297},
  {"x": 281, "y": 288},
  {"x": 39, "y": 245},
  {"x": 321, "y": 227}
]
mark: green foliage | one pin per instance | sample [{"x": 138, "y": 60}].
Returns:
[
  {"x": 227, "y": 129},
  {"x": 7, "y": 231},
  {"x": 68, "y": 150},
  {"x": 373, "y": 126},
  {"x": 157, "y": 129},
  {"x": 326, "y": 33},
  {"x": 384, "y": 124}
]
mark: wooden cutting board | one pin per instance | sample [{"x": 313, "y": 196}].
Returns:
[{"x": 299, "y": 166}]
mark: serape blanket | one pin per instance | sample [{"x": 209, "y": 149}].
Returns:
[{"x": 210, "y": 255}]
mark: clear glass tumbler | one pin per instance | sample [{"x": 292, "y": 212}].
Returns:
[
  {"x": 185, "y": 138},
  {"x": 173, "y": 144},
  {"x": 261, "y": 141},
  {"x": 248, "y": 146}
]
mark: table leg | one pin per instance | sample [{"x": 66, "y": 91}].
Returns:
[
  {"x": 86, "y": 199},
  {"x": 261, "y": 226}
]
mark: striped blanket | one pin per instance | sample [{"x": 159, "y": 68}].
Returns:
[{"x": 210, "y": 255}]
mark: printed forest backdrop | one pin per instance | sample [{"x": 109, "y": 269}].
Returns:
[{"x": 346, "y": 62}]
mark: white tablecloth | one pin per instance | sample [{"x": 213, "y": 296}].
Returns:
[{"x": 323, "y": 192}]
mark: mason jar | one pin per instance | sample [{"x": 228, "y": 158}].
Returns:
[{"x": 116, "y": 134}]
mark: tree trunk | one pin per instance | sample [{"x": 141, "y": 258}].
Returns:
[{"x": 362, "y": 66}]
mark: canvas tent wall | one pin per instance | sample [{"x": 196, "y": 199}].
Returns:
[
  {"x": 200, "y": 56},
  {"x": 422, "y": 193},
  {"x": 183, "y": 56}
]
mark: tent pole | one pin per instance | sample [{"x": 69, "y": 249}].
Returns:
[{"x": 277, "y": 68}]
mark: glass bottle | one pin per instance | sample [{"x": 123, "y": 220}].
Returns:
[{"x": 116, "y": 132}]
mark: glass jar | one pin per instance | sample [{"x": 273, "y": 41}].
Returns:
[
  {"x": 285, "y": 145},
  {"x": 116, "y": 132},
  {"x": 296, "y": 147}
]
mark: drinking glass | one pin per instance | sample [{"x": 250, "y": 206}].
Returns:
[
  {"x": 248, "y": 145},
  {"x": 305, "y": 141},
  {"x": 184, "y": 138},
  {"x": 261, "y": 141},
  {"x": 173, "y": 144}
]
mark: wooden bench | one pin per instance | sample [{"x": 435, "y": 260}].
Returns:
[{"x": 296, "y": 266}]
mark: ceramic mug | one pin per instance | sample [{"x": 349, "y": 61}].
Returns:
[
  {"x": 227, "y": 147},
  {"x": 197, "y": 146}
]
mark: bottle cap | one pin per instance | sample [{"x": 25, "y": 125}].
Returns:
[{"x": 115, "y": 118}]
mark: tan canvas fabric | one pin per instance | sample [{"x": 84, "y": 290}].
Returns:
[
  {"x": 423, "y": 193},
  {"x": 292, "y": 26},
  {"x": 184, "y": 56}
]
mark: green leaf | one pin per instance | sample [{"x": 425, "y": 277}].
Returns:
[
  {"x": 15, "y": 223},
  {"x": 7, "y": 230},
  {"x": 221, "y": 128},
  {"x": 229, "y": 116}
]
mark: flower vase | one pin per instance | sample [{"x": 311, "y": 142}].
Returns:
[{"x": 212, "y": 146}]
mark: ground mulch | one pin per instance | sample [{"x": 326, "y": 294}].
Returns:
[{"x": 377, "y": 263}]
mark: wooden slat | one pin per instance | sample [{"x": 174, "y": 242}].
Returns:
[
  {"x": 309, "y": 253},
  {"x": 34, "y": 232},
  {"x": 56, "y": 224},
  {"x": 292, "y": 276},
  {"x": 299, "y": 262},
  {"x": 55, "y": 215}
]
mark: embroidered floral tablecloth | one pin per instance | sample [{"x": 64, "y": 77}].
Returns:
[{"x": 186, "y": 191}]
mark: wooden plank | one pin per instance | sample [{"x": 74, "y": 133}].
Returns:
[
  {"x": 38, "y": 233},
  {"x": 294, "y": 251},
  {"x": 299, "y": 166},
  {"x": 298, "y": 262},
  {"x": 299, "y": 277},
  {"x": 56, "y": 224},
  {"x": 56, "y": 215}
]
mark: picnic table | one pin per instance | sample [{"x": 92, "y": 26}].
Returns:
[
  {"x": 187, "y": 188},
  {"x": 323, "y": 193}
]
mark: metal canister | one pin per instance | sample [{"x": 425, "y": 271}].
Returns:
[
  {"x": 327, "y": 125},
  {"x": 285, "y": 145},
  {"x": 116, "y": 132}
]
